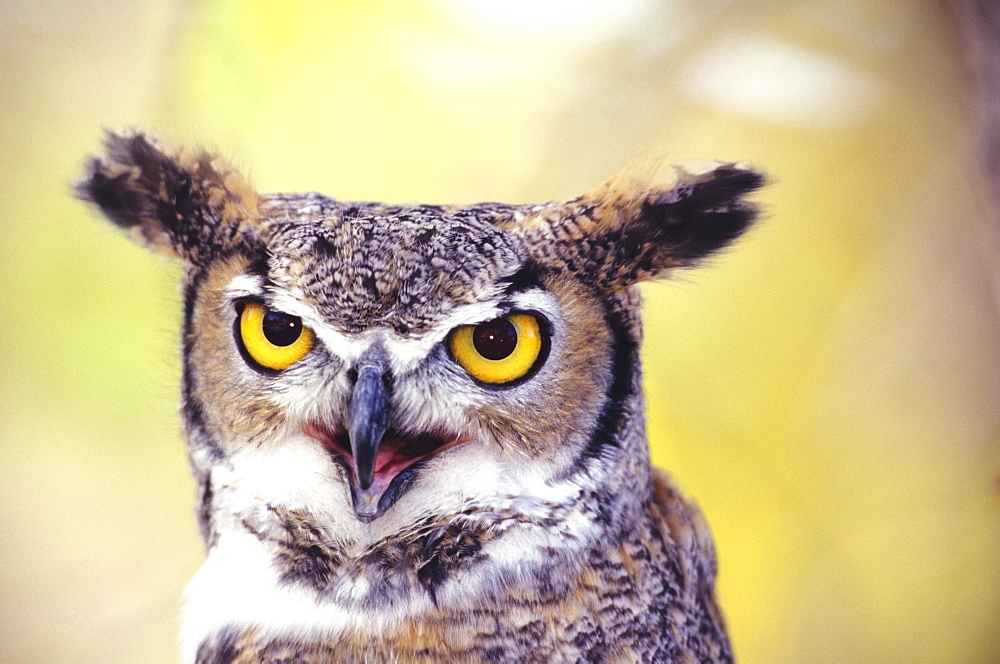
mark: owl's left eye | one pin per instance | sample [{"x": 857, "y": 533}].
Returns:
[
  {"x": 500, "y": 351},
  {"x": 272, "y": 339}
]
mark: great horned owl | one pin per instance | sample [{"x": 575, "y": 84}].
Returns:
[{"x": 417, "y": 431}]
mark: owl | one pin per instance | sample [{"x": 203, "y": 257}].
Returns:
[{"x": 417, "y": 431}]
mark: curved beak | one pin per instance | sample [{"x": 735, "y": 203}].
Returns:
[{"x": 367, "y": 421}]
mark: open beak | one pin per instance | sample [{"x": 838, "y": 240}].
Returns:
[{"x": 382, "y": 463}]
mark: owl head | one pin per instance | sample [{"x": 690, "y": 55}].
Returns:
[{"x": 369, "y": 367}]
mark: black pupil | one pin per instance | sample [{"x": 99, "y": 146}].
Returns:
[
  {"x": 281, "y": 329},
  {"x": 495, "y": 339}
]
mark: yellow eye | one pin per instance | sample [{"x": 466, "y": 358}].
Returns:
[
  {"x": 272, "y": 339},
  {"x": 499, "y": 351}
]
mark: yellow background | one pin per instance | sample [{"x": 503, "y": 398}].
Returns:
[{"x": 828, "y": 390}]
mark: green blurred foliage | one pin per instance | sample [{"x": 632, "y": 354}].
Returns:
[{"x": 828, "y": 390}]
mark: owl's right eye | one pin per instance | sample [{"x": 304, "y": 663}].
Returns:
[{"x": 272, "y": 339}]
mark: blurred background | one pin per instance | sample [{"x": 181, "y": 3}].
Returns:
[{"x": 828, "y": 390}]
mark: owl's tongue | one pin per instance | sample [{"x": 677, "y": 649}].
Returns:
[
  {"x": 397, "y": 452},
  {"x": 391, "y": 459}
]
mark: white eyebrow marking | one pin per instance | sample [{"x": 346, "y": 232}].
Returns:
[{"x": 245, "y": 285}]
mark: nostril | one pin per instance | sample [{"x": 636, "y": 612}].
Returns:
[{"x": 387, "y": 379}]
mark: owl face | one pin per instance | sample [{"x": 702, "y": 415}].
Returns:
[
  {"x": 427, "y": 385},
  {"x": 376, "y": 367}
]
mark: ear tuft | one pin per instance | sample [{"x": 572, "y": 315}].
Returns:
[
  {"x": 630, "y": 229},
  {"x": 174, "y": 202},
  {"x": 700, "y": 215}
]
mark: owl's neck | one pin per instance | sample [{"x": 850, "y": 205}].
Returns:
[{"x": 284, "y": 573}]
